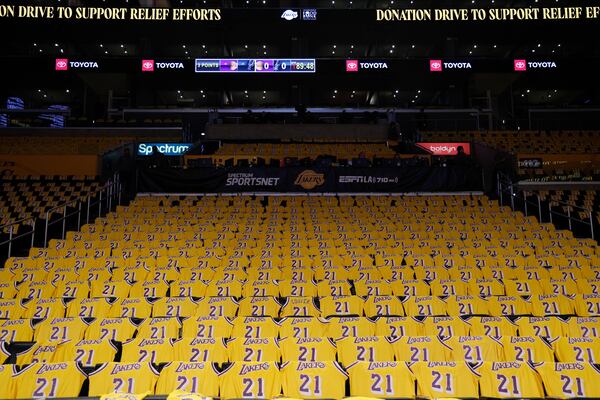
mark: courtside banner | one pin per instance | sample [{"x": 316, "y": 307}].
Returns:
[
  {"x": 311, "y": 180},
  {"x": 445, "y": 148}
]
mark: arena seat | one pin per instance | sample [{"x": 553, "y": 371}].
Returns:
[{"x": 307, "y": 297}]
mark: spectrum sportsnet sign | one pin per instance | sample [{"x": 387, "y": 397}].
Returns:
[
  {"x": 524, "y": 65},
  {"x": 63, "y": 64},
  {"x": 439, "y": 65},
  {"x": 252, "y": 180},
  {"x": 445, "y": 149},
  {"x": 356, "y": 65},
  {"x": 151, "y": 65}
]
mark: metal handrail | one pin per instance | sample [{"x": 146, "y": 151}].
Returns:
[
  {"x": 15, "y": 222},
  {"x": 508, "y": 185},
  {"x": 108, "y": 187},
  {"x": 11, "y": 236}
]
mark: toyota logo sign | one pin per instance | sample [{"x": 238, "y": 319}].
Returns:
[
  {"x": 520, "y": 65},
  {"x": 435, "y": 65},
  {"x": 62, "y": 64},
  {"x": 351, "y": 65},
  {"x": 147, "y": 65}
]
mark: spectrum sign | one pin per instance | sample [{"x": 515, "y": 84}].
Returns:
[
  {"x": 251, "y": 65},
  {"x": 445, "y": 149},
  {"x": 168, "y": 149}
]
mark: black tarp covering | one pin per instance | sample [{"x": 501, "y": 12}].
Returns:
[{"x": 301, "y": 179}]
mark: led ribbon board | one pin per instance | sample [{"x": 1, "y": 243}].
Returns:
[{"x": 255, "y": 65}]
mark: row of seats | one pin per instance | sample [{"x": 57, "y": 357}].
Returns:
[
  {"x": 371, "y": 306},
  {"x": 203, "y": 326},
  {"x": 310, "y": 380},
  {"x": 561, "y": 142},
  {"x": 305, "y": 150},
  {"x": 70, "y": 144},
  {"x": 345, "y": 350}
]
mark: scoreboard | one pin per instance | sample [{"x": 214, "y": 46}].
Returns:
[{"x": 256, "y": 65}]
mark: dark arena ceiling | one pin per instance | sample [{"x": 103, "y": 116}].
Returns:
[{"x": 394, "y": 58}]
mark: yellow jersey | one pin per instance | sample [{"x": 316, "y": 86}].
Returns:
[
  {"x": 338, "y": 327},
  {"x": 87, "y": 352},
  {"x": 193, "y": 377},
  {"x": 421, "y": 348},
  {"x": 341, "y": 306},
  {"x": 299, "y": 307},
  {"x": 307, "y": 349},
  {"x": 60, "y": 329},
  {"x": 446, "y": 380},
  {"x": 39, "y": 352},
  {"x": 546, "y": 327},
  {"x": 569, "y": 380},
  {"x": 16, "y": 330},
  {"x": 365, "y": 348},
  {"x": 446, "y": 327},
  {"x": 424, "y": 306},
  {"x": 399, "y": 326},
  {"x": 527, "y": 349},
  {"x": 298, "y": 288},
  {"x": 123, "y": 378},
  {"x": 509, "y": 380},
  {"x": 11, "y": 309},
  {"x": 259, "y": 307},
  {"x": 217, "y": 307},
  {"x": 313, "y": 380},
  {"x": 49, "y": 380},
  {"x": 188, "y": 288},
  {"x": 495, "y": 327},
  {"x": 386, "y": 379},
  {"x": 254, "y": 350},
  {"x": 255, "y": 327},
  {"x": 383, "y": 306},
  {"x": 131, "y": 308},
  {"x": 207, "y": 327},
  {"x": 143, "y": 350},
  {"x": 250, "y": 380},
  {"x": 583, "y": 327},
  {"x": 45, "y": 308},
  {"x": 199, "y": 349},
  {"x": 574, "y": 349},
  {"x": 301, "y": 327},
  {"x": 159, "y": 328},
  {"x": 475, "y": 349},
  {"x": 174, "y": 307},
  {"x": 119, "y": 329}
]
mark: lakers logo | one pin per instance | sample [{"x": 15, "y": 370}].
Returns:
[{"x": 309, "y": 179}]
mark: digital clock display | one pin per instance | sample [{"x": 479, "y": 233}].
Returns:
[{"x": 255, "y": 65}]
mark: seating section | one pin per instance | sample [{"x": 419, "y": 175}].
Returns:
[
  {"x": 575, "y": 201},
  {"x": 528, "y": 142},
  {"x": 341, "y": 150},
  {"x": 31, "y": 198},
  {"x": 305, "y": 297},
  {"x": 73, "y": 144}
]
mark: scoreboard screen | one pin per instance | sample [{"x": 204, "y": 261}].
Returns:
[{"x": 255, "y": 65}]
